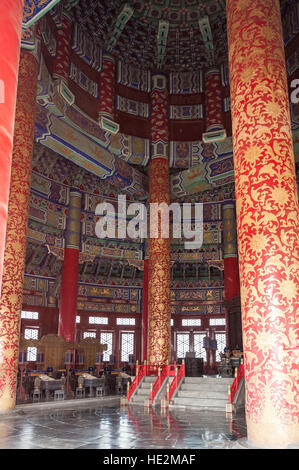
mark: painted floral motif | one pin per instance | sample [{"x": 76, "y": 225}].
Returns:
[
  {"x": 159, "y": 272},
  {"x": 62, "y": 61},
  {"x": 15, "y": 248},
  {"x": 267, "y": 216},
  {"x": 159, "y": 117},
  {"x": 213, "y": 100},
  {"x": 107, "y": 88},
  {"x": 34, "y": 9}
]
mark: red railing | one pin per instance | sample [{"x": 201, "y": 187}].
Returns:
[
  {"x": 152, "y": 369},
  {"x": 180, "y": 372},
  {"x": 140, "y": 373},
  {"x": 143, "y": 370},
  {"x": 167, "y": 371},
  {"x": 232, "y": 390},
  {"x": 149, "y": 369}
]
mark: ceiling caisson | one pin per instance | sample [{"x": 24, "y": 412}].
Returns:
[{"x": 167, "y": 35}]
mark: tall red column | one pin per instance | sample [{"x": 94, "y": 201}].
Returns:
[
  {"x": 11, "y": 13},
  {"x": 145, "y": 309},
  {"x": 230, "y": 253},
  {"x": 213, "y": 100},
  {"x": 159, "y": 336},
  {"x": 231, "y": 278},
  {"x": 267, "y": 220},
  {"x": 107, "y": 87},
  {"x": 69, "y": 281},
  {"x": 213, "y": 107},
  {"x": 17, "y": 222},
  {"x": 107, "y": 95},
  {"x": 62, "y": 61}
]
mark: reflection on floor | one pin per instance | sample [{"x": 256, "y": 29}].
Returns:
[{"x": 104, "y": 424}]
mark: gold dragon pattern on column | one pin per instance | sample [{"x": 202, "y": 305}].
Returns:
[
  {"x": 159, "y": 341},
  {"x": 159, "y": 273},
  {"x": 15, "y": 246},
  {"x": 267, "y": 219}
]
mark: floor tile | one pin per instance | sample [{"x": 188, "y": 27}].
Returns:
[{"x": 110, "y": 426}]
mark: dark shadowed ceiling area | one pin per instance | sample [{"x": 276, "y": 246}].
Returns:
[{"x": 168, "y": 35}]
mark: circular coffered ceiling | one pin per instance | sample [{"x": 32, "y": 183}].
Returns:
[
  {"x": 168, "y": 35},
  {"x": 179, "y": 13}
]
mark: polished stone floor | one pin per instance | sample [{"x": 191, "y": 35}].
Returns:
[{"x": 104, "y": 424}]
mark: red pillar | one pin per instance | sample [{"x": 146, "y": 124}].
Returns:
[
  {"x": 68, "y": 294},
  {"x": 267, "y": 220},
  {"x": 69, "y": 281},
  {"x": 107, "y": 95},
  {"x": 107, "y": 88},
  {"x": 213, "y": 107},
  {"x": 231, "y": 278},
  {"x": 11, "y": 13},
  {"x": 145, "y": 310},
  {"x": 17, "y": 222},
  {"x": 159, "y": 336},
  {"x": 230, "y": 253},
  {"x": 213, "y": 100},
  {"x": 62, "y": 60}
]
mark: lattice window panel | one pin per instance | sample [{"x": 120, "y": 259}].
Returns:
[
  {"x": 198, "y": 345},
  {"x": 217, "y": 321},
  {"x": 183, "y": 344},
  {"x": 31, "y": 353},
  {"x": 31, "y": 333},
  {"x": 221, "y": 344},
  {"x": 191, "y": 322},
  {"x": 107, "y": 338},
  {"x": 89, "y": 334},
  {"x": 126, "y": 321},
  {"x": 98, "y": 320},
  {"x": 127, "y": 346},
  {"x": 29, "y": 315}
]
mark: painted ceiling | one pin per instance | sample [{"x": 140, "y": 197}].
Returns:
[{"x": 169, "y": 35}]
